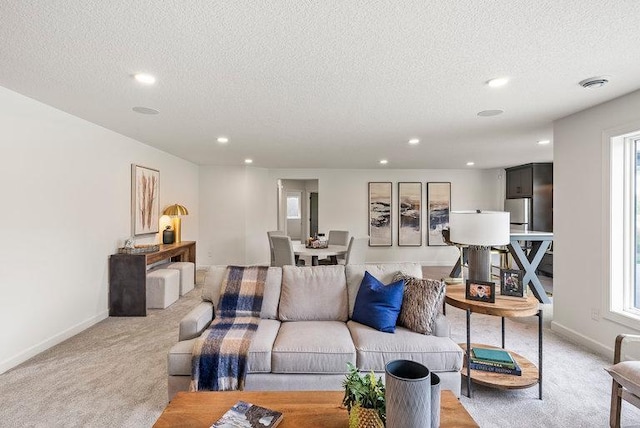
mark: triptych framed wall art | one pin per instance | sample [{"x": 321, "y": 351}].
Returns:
[
  {"x": 409, "y": 206},
  {"x": 410, "y": 214},
  {"x": 438, "y": 208},
  {"x": 380, "y": 232}
]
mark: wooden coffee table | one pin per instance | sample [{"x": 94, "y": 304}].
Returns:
[{"x": 300, "y": 408}]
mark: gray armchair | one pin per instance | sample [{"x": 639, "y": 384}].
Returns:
[{"x": 626, "y": 379}]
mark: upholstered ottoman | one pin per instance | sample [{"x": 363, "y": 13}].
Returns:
[
  {"x": 187, "y": 275},
  {"x": 163, "y": 288}
]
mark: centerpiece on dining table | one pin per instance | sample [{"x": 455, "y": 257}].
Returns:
[{"x": 320, "y": 241}]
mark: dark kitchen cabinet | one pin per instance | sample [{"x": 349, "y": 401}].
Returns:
[
  {"x": 520, "y": 182},
  {"x": 535, "y": 181}
]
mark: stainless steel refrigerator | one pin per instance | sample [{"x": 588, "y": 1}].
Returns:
[{"x": 520, "y": 213}]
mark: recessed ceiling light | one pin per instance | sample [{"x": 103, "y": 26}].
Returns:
[
  {"x": 414, "y": 141},
  {"x": 544, "y": 142},
  {"x": 497, "y": 82},
  {"x": 383, "y": 161},
  {"x": 145, "y": 78},
  {"x": 594, "y": 82},
  {"x": 145, "y": 110},
  {"x": 248, "y": 161},
  {"x": 223, "y": 140},
  {"x": 488, "y": 113},
  {"x": 471, "y": 163}
]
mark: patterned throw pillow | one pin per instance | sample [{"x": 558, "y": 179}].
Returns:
[{"x": 421, "y": 303}]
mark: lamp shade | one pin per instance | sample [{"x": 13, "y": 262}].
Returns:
[
  {"x": 480, "y": 228},
  {"x": 175, "y": 209}
]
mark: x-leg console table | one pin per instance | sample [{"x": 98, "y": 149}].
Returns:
[{"x": 529, "y": 263}]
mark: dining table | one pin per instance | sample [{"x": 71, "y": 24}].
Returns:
[{"x": 332, "y": 251}]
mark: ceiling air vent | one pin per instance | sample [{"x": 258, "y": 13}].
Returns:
[{"x": 594, "y": 82}]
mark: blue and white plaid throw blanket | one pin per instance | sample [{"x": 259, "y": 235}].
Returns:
[{"x": 219, "y": 361}]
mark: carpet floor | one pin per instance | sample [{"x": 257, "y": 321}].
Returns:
[{"x": 114, "y": 374}]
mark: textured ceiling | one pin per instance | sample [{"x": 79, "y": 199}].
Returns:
[{"x": 327, "y": 84}]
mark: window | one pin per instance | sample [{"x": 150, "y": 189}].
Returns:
[
  {"x": 624, "y": 229},
  {"x": 293, "y": 207}
]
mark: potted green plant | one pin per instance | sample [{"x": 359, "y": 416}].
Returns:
[{"x": 364, "y": 399}]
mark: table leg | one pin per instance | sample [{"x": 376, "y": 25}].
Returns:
[
  {"x": 468, "y": 353},
  {"x": 314, "y": 260},
  {"x": 502, "y": 332},
  {"x": 540, "y": 354},
  {"x": 529, "y": 266},
  {"x": 457, "y": 268}
]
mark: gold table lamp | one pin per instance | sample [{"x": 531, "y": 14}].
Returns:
[{"x": 175, "y": 211}]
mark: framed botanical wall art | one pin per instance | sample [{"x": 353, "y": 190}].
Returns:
[
  {"x": 438, "y": 207},
  {"x": 145, "y": 208},
  {"x": 380, "y": 233},
  {"x": 409, "y": 214}
]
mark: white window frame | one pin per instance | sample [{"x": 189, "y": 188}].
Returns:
[{"x": 619, "y": 224}]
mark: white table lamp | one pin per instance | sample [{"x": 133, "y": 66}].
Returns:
[{"x": 479, "y": 230}]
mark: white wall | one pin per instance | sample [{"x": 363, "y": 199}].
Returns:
[
  {"x": 66, "y": 191},
  {"x": 343, "y": 205},
  {"x": 233, "y": 224},
  {"x": 579, "y": 281}
]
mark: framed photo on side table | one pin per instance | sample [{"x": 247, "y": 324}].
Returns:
[
  {"x": 481, "y": 291},
  {"x": 511, "y": 283}
]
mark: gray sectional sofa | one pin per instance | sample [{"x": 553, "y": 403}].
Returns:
[{"x": 306, "y": 337}]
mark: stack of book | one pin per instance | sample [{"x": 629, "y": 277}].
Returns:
[{"x": 493, "y": 360}]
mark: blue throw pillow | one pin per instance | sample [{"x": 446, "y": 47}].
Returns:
[{"x": 378, "y": 305}]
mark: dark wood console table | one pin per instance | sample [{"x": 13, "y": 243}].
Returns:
[{"x": 128, "y": 277}]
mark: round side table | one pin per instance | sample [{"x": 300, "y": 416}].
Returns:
[{"x": 505, "y": 308}]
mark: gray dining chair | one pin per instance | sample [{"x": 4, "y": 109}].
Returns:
[
  {"x": 336, "y": 237},
  {"x": 283, "y": 251},
  {"x": 269, "y": 235},
  {"x": 357, "y": 251}
]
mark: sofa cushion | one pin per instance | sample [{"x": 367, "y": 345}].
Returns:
[
  {"x": 179, "y": 359},
  {"x": 378, "y": 305},
  {"x": 374, "y": 348},
  {"x": 421, "y": 302},
  {"x": 312, "y": 347},
  {"x": 270, "y": 298},
  {"x": 384, "y": 272},
  {"x": 317, "y": 293}
]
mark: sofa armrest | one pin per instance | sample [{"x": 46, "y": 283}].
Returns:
[
  {"x": 196, "y": 321},
  {"x": 441, "y": 326}
]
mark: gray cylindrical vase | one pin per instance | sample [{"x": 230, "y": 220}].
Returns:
[
  {"x": 408, "y": 394},
  {"x": 435, "y": 400}
]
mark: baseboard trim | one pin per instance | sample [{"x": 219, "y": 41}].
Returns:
[
  {"x": 581, "y": 339},
  {"x": 23, "y": 356}
]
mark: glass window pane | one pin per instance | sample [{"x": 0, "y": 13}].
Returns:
[
  {"x": 636, "y": 244},
  {"x": 293, "y": 207}
]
